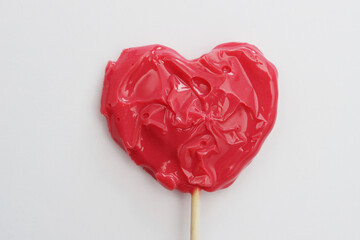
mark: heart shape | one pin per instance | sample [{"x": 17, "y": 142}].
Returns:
[{"x": 191, "y": 123}]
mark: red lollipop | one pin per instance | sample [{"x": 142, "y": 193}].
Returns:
[{"x": 191, "y": 124}]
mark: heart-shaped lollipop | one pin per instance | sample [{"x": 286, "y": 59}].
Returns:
[{"x": 191, "y": 124}]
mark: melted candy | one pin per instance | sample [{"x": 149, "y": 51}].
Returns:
[{"x": 191, "y": 123}]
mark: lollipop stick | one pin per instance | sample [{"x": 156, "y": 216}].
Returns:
[{"x": 195, "y": 214}]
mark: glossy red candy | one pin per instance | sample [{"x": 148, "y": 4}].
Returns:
[{"x": 191, "y": 123}]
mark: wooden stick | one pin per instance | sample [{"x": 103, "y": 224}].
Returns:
[{"x": 195, "y": 214}]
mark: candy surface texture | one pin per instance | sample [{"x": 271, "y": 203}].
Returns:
[{"x": 191, "y": 123}]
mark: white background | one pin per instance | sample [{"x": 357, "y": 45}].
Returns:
[{"x": 62, "y": 176}]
